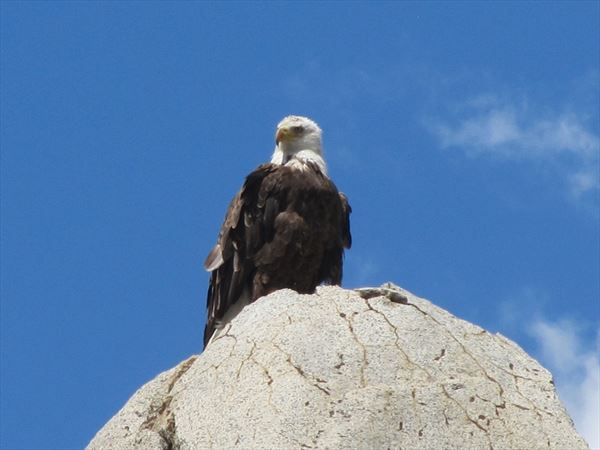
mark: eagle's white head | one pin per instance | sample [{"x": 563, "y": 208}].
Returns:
[{"x": 297, "y": 140}]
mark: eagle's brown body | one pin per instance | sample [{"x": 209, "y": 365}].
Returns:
[{"x": 286, "y": 228}]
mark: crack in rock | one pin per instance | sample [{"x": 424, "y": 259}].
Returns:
[
  {"x": 301, "y": 372},
  {"x": 365, "y": 360},
  {"x": 464, "y": 349},
  {"x": 412, "y": 364},
  {"x": 161, "y": 418}
]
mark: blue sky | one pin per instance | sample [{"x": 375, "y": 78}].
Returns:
[{"x": 466, "y": 136}]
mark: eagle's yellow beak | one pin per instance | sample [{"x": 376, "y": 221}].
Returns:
[{"x": 282, "y": 134}]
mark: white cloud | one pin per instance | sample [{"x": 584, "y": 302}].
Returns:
[
  {"x": 490, "y": 132},
  {"x": 584, "y": 181},
  {"x": 575, "y": 365},
  {"x": 562, "y": 142}
]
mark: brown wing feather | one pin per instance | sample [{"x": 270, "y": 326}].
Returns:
[
  {"x": 239, "y": 236},
  {"x": 332, "y": 264},
  {"x": 346, "y": 210}
]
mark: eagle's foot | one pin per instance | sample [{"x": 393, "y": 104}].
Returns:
[{"x": 387, "y": 292}]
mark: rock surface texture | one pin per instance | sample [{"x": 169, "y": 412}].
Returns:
[{"x": 378, "y": 369}]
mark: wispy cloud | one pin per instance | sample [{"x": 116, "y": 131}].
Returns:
[
  {"x": 564, "y": 142},
  {"x": 575, "y": 365}
]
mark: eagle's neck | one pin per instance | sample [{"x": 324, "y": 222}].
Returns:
[{"x": 299, "y": 159}]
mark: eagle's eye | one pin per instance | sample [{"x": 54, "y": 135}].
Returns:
[{"x": 298, "y": 129}]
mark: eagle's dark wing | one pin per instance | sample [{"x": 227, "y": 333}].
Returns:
[
  {"x": 346, "y": 210},
  {"x": 241, "y": 235},
  {"x": 331, "y": 269}
]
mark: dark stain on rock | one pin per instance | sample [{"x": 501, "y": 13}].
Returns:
[{"x": 441, "y": 355}]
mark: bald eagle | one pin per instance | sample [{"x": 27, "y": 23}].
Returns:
[{"x": 287, "y": 227}]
